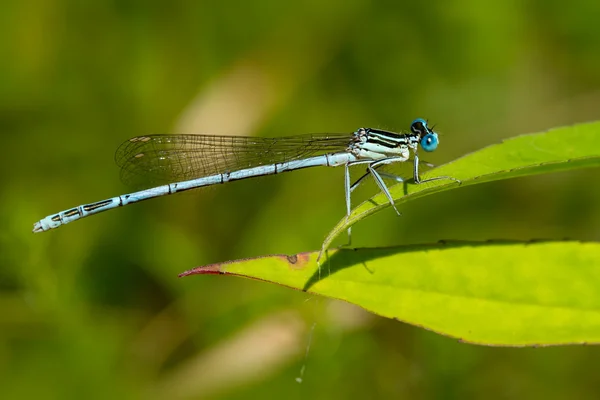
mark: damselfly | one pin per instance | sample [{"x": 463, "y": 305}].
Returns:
[{"x": 195, "y": 161}]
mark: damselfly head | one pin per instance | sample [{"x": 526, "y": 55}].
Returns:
[{"x": 429, "y": 139}]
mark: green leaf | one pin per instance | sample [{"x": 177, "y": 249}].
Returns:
[
  {"x": 493, "y": 293},
  {"x": 560, "y": 149}
]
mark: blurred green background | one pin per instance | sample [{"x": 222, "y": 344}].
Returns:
[{"x": 95, "y": 309}]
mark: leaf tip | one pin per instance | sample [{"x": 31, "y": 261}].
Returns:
[{"x": 214, "y": 269}]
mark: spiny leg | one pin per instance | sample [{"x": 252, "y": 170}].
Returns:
[
  {"x": 382, "y": 186},
  {"x": 418, "y": 180},
  {"x": 382, "y": 173},
  {"x": 347, "y": 189},
  {"x": 350, "y": 188}
]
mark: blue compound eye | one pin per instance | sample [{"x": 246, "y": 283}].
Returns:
[{"x": 429, "y": 142}]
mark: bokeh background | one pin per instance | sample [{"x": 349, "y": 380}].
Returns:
[{"x": 95, "y": 309}]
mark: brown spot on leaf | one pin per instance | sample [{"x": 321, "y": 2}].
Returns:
[{"x": 297, "y": 261}]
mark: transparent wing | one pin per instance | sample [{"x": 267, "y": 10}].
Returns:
[{"x": 158, "y": 159}]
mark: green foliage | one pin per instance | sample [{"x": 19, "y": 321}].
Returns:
[{"x": 493, "y": 293}]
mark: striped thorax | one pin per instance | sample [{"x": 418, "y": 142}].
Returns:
[{"x": 377, "y": 144}]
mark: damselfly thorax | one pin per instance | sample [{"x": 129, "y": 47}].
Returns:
[{"x": 376, "y": 144}]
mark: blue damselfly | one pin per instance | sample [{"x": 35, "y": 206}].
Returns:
[{"x": 194, "y": 161}]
